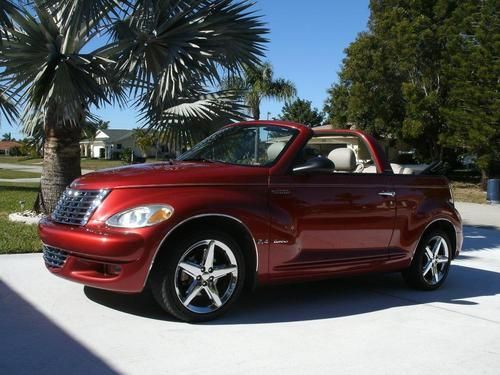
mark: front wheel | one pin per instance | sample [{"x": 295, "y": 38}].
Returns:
[
  {"x": 431, "y": 262},
  {"x": 200, "y": 277}
]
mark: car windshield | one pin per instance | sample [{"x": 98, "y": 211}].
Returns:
[{"x": 243, "y": 145}]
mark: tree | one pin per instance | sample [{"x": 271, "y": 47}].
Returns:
[
  {"x": 257, "y": 83},
  {"x": 301, "y": 111},
  {"x": 473, "y": 106},
  {"x": 161, "y": 54},
  {"x": 143, "y": 140},
  {"x": 426, "y": 72},
  {"x": 7, "y": 137}
]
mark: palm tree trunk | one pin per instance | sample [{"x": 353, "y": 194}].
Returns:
[
  {"x": 484, "y": 179},
  {"x": 256, "y": 113},
  {"x": 61, "y": 161}
]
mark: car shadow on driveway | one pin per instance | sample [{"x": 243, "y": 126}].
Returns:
[
  {"x": 338, "y": 297},
  {"x": 33, "y": 344},
  {"x": 323, "y": 299}
]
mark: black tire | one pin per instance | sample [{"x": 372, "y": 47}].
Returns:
[
  {"x": 414, "y": 275},
  {"x": 166, "y": 275}
]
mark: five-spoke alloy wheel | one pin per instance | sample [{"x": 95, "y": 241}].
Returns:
[
  {"x": 200, "y": 277},
  {"x": 431, "y": 261},
  {"x": 206, "y": 276}
]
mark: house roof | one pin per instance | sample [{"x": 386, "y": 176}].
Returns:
[
  {"x": 114, "y": 135},
  {"x": 7, "y": 145},
  {"x": 111, "y": 135}
]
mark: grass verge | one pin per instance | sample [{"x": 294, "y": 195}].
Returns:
[
  {"x": 20, "y": 160},
  {"x": 17, "y": 237},
  {"x": 468, "y": 192}
]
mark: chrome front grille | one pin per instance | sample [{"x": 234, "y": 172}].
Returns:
[
  {"x": 76, "y": 206},
  {"x": 54, "y": 257}
]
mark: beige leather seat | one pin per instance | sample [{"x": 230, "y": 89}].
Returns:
[
  {"x": 344, "y": 160},
  {"x": 406, "y": 170},
  {"x": 274, "y": 150}
]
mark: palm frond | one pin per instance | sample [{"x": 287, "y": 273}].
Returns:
[
  {"x": 191, "y": 119},
  {"x": 281, "y": 89},
  {"x": 46, "y": 75},
  {"x": 174, "y": 43},
  {"x": 7, "y": 7},
  {"x": 7, "y": 107},
  {"x": 257, "y": 83},
  {"x": 85, "y": 15}
]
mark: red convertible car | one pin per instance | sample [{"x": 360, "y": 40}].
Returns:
[{"x": 254, "y": 203}]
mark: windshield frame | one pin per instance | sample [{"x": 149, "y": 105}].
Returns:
[{"x": 295, "y": 133}]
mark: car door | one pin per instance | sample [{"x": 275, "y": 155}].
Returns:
[{"x": 329, "y": 223}]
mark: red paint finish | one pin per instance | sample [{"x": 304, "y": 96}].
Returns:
[{"x": 299, "y": 227}]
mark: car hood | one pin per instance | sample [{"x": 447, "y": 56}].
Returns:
[{"x": 171, "y": 173}]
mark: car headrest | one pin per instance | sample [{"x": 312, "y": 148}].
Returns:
[
  {"x": 274, "y": 150},
  {"x": 406, "y": 170},
  {"x": 344, "y": 159}
]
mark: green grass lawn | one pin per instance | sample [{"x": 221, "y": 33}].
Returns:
[
  {"x": 17, "y": 237},
  {"x": 9, "y": 173}
]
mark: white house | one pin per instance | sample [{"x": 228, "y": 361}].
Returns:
[{"x": 109, "y": 142}]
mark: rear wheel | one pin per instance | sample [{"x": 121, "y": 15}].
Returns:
[
  {"x": 200, "y": 277},
  {"x": 431, "y": 262}
]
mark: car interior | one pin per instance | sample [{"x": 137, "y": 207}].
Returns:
[{"x": 349, "y": 154}]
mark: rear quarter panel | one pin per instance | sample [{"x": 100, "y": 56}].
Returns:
[{"x": 420, "y": 200}]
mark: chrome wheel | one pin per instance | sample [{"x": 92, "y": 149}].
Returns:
[
  {"x": 436, "y": 260},
  {"x": 206, "y": 276}
]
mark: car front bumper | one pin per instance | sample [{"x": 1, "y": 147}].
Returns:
[{"x": 99, "y": 257}]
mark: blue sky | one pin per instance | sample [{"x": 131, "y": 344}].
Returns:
[{"x": 307, "y": 43}]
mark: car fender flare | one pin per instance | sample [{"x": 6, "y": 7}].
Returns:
[
  {"x": 427, "y": 227},
  {"x": 194, "y": 217}
]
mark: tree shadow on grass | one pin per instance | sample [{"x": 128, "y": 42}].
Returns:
[{"x": 33, "y": 344}]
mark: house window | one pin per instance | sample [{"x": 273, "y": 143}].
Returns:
[{"x": 118, "y": 146}]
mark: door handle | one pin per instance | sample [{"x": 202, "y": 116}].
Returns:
[{"x": 387, "y": 194}]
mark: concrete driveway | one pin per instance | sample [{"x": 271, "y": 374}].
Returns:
[{"x": 372, "y": 325}]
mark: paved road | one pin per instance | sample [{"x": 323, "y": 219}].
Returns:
[{"x": 372, "y": 325}]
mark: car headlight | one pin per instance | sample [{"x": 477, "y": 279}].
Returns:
[{"x": 143, "y": 216}]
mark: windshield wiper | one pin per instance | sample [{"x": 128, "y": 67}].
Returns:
[{"x": 200, "y": 159}]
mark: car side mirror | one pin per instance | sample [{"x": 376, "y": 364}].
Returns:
[{"x": 318, "y": 164}]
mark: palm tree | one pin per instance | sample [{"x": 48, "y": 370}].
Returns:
[
  {"x": 160, "y": 55},
  {"x": 258, "y": 83},
  {"x": 144, "y": 141}
]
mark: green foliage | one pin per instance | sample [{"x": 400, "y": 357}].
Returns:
[
  {"x": 257, "y": 83},
  {"x": 426, "y": 72},
  {"x": 473, "y": 107},
  {"x": 126, "y": 156},
  {"x": 144, "y": 140},
  {"x": 29, "y": 149},
  {"x": 301, "y": 111}
]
